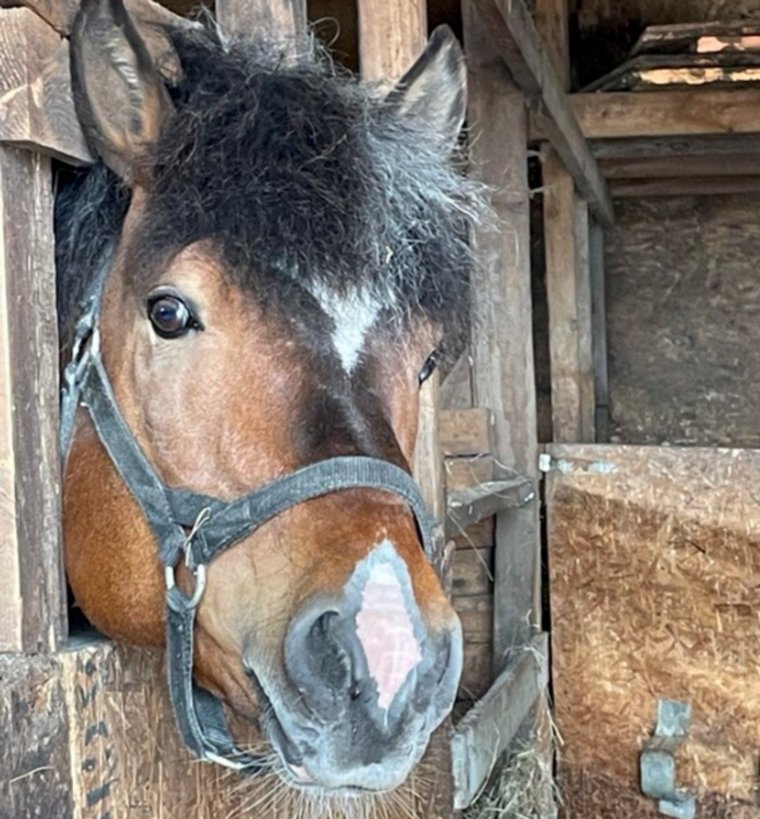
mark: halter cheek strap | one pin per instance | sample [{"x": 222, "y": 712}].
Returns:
[{"x": 195, "y": 528}]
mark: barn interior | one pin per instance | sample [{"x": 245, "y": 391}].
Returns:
[{"x": 643, "y": 313}]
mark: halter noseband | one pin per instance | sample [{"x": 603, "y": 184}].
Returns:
[{"x": 195, "y": 528}]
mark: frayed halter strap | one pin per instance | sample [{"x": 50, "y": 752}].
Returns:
[{"x": 195, "y": 528}]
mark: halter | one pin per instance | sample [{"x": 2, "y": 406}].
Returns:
[{"x": 194, "y": 528}]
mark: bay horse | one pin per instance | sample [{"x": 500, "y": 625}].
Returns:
[{"x": 254, "y": 281}]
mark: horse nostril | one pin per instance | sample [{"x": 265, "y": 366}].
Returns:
[{"x": 355, "y": 691}]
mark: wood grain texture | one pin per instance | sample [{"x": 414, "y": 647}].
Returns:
[
  {"x": 513, "y": 33},
  {"x": 59, "y": 14},
  {"x": 569, "y": 298},
  {"x": 502, "y": 340},
  {"x": 487, "y": 730},
  {"x": 667, "y": 113},
  {"x": 32, "y": 612},
  {"x": 684, "y": 186},
  {"x": 35, "y": 779},
  {"x": 655, "y": 565},
  {"x": 468, "y": 432},
  {"x": 551, "y": 17},
  {"x": 428, "y": 456},
  {"x": 285, "y": 19},
  {"x": 462, "y": 473},
  {"x": 683, "y": 165},
  {"x": 36, "y": 105},
  {"x": 392, "y": 34}
]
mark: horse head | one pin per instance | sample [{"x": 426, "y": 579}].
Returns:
[{"x": 284, "y": 253}]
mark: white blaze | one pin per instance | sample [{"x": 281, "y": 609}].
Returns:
[
  {"x": 386, "y": 633},
  {"x": 352, "y": 315}
]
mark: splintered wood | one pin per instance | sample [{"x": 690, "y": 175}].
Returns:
[{"x": 655, "y": 592}]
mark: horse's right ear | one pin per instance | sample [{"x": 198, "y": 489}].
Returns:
[{"x": 120, "y": 98}]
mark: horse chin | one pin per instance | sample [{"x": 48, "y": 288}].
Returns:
[{"x": 291, "y": 762}]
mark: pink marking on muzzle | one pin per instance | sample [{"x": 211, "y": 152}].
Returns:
[{"x": 386, "y": 633}]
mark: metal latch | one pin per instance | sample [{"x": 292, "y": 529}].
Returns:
[{"x": 658, "y": 765}]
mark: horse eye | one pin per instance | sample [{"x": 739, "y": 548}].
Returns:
[
  {"x": 428, "y": 368},
  {"x": 170, "y": 316}
]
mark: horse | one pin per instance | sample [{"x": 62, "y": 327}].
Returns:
[{"x": 255, "y": 279}]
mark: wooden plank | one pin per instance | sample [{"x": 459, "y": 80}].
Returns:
[
  {"x": 283, "y": 18},
  {"x": 468, "y": 506},
  {"x": 36, "y": 105},
  {"x": 428, "y": 457},
  {"x": 462, "y": 473},
  {"x": 60, "y": 13},
  {"x": 678, "y": 37},
  {"x": 476, "y": 674},
  {"x": 476, "y": 615},
  {"x": 697, "y": 146},
  {"x": 456, "y": 389},
  {"x": 473, "y": 572},
  {"x": 654, "y": 570},
  {"x": 685, "y": 186},
  {"x": 502, "y": 338},
  {"x": 569, "y": 298},
  {"x": 35, "y": 779},
  {"x": 552, "y": 19},
  {"x": 486, "y": 731},
  {"x": 514, "y": 35},
  {"x": 466, "y": 432},
  {"x": 391, "y": 35},
  {"x": 667, "y": 113},
  {"x": 33, "y": 601},
  {"x": 685, "y": 165},
  {"x": 478, "y": 535},
  {"x": 599, "y": 332}
]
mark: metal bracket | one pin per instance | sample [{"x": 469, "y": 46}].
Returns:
[{"x": 658, "y": 765}]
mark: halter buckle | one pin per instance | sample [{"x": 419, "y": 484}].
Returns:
[{"x": 198, "y": 571}]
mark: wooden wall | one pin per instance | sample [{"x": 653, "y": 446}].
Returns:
[{"x": 683, "y": 310}]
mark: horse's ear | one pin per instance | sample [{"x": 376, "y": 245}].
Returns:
[
  {"x": 434, "y": 90},
  {"x": 120, "y": 97}
]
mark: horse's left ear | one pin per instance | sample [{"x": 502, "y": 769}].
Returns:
[
  {"x": 120, "y": 96},
  {"x": 434, "y": 90}
]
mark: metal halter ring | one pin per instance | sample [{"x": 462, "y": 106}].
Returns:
[{"x": 199, "y": 572}]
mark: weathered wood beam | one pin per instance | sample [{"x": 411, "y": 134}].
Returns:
[
  {"x": 551, "y": 18},
  {"x": 468, "y": 506},
  {"x": 284, "y": 18},
  {"x": 513, "y": 33},
  {"x": 502, "y": 338},
  {"x": 32, "y": 590},
  {"x": 685, "y": 186},
  {"x": 742, "y": 164},
  {"x": 36, "y": 104},
  {"x": 665, "y": 113},
  {"x": 486, "y": 731},
  {"x": 60, "y": 13},
  {"x": 696, "y": 145},
  {"x": 568, "y": 293},
  {"x": 391, "y": 36},
  {"x": 467, "y": 432}
]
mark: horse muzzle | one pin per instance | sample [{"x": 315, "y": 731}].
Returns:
[{"x": 366, "y": 682}]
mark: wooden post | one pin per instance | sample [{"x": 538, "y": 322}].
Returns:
[
  {"x": 551, "y": 17},
  {"x": 286, "y": 18},
  {"x": 32, "y": 595},
  {"x": 502, "y": 340},
  {"x": 392, "y": 35},
  {"x": 568, "y": 288}
]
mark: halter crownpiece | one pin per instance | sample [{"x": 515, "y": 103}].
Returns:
[{"x": 195, "y": 528}]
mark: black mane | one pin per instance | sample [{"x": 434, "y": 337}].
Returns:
[{"x": 300, "y": 177}]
